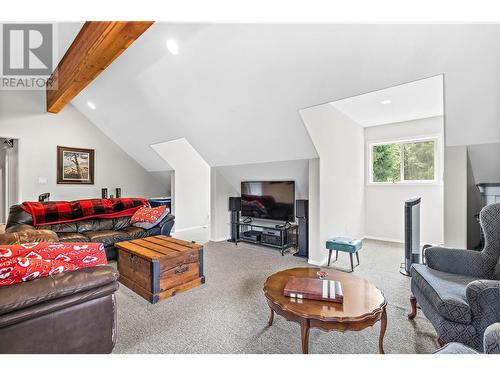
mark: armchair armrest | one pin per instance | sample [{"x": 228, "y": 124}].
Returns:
[
  {"x": 491, "y": 343},
  {"x": 166, "y": 224},
  {"x": 483, "y": 297},
  {"x": 459, "y": 261}
]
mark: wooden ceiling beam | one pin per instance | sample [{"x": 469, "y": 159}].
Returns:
[{"x": 96, "y": 46}]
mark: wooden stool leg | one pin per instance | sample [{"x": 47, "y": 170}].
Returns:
[
  {"x": 357, "y": 257},
  {"x": 352, "y": 264},
  {"x": 329, "y": 256},
  {"x": 336, "y": 255}
]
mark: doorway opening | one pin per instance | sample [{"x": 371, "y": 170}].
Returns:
[{"x": 9, "y": 176}]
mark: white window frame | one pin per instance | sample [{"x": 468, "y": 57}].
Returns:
[{"x": 401, "y": 143}]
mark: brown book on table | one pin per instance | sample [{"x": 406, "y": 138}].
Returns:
[{"x": 323, "y": 290}]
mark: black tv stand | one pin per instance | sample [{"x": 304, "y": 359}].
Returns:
[{"x": 278, "y": 236}]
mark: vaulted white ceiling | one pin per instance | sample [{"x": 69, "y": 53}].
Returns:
[
  {"x": 406, "y": 102},
  {"x": 65, "y": 33},
  {"x": 234, "y": 91}
]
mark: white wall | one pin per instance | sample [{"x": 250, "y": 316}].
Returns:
[
  {"x": 191, "y": 193},
  {"x": 384, "y": 217},
  {"x": 339, "y": 142},
  {"x": 455, "y": 197},
  {"x": 483, "y": 166},
  {"x": 222, "y": 189},
  {"x": 485, "y": 161},
  {"x": 314, "y": 210},
  {"x": 226, "y": 182},
  {"x": 165, "y": 179},
  {"x": 23, "y": 116}
]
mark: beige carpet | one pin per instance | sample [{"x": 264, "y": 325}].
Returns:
[{"x": 228, "y": 314}]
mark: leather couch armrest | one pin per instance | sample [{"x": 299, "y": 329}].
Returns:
[
  {"x": 26, "y": 234},
  {"x": 40, "y": 291},
  {"x": 19, "y": 228},
  {"x": 166, "y": 224}
]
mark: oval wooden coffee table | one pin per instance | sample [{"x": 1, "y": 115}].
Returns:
[{"x": 364, "y": 305}]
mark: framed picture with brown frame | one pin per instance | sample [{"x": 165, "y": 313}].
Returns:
[{"x": 75, "y": 165}]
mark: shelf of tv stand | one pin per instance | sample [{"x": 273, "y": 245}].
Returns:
[{"x": 288, "y": 234}]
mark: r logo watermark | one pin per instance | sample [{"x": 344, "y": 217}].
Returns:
[{"x": 28, "y": 55}]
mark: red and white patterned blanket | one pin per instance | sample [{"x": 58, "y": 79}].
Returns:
[{"x": 30, "y": 261}]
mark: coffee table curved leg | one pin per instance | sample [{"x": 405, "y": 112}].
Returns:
[
  {"x": 271, "y": 318},
  {"x": 304, "y": 327},
  {"x": 383, "y": 327}
]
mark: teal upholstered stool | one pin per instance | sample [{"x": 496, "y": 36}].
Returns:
[{"x": 345, "y": 244}]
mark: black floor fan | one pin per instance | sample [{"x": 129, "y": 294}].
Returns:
[{"x": 412, "y": 235}]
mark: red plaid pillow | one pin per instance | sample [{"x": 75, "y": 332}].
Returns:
[{"x": 148, "y": 214}]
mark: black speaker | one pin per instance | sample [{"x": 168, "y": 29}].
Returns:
[
  {"x": 302, "y": 208},
  {"x": 104, "y": 193},
  {"x": 118, "y": 192},
  {"x": 234, "y": 204},
  {"x": 302, "y": 214},
  {"x": 44, "y": 197},
  {"x": 235, "y": 208}
]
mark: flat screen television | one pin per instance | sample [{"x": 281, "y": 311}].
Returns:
[{"x": 270, "y": 200}]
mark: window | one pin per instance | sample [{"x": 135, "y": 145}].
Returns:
[{"x": 408, "y": 161}]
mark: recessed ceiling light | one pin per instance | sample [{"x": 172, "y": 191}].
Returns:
[
  {"x": 91, "y": 105},
  {"x": 172, "y": 47},
  {"x": 386, "y": 101}
]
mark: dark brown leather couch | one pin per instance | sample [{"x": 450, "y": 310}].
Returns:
[
  {"x": 105, "y": 231},
  {"x": 72, "y": 312},
  {"x": 26, "y": 234}
]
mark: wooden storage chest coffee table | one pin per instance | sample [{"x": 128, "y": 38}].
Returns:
[{"x": 159, "y": 267}]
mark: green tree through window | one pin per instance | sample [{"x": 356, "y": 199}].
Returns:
[
  {"x": 418, "y": 161},
  {"x": 387, "y": 163}
]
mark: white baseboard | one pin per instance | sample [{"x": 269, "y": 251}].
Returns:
[
  {"x": 190, "y": 228},
  {"x": 385, "y": 239},
  {"x": 221, "y": 239},
  {"x": 319, "y": 264}
]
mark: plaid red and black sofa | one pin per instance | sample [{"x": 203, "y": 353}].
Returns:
[{"x": 107, "y": 231}]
